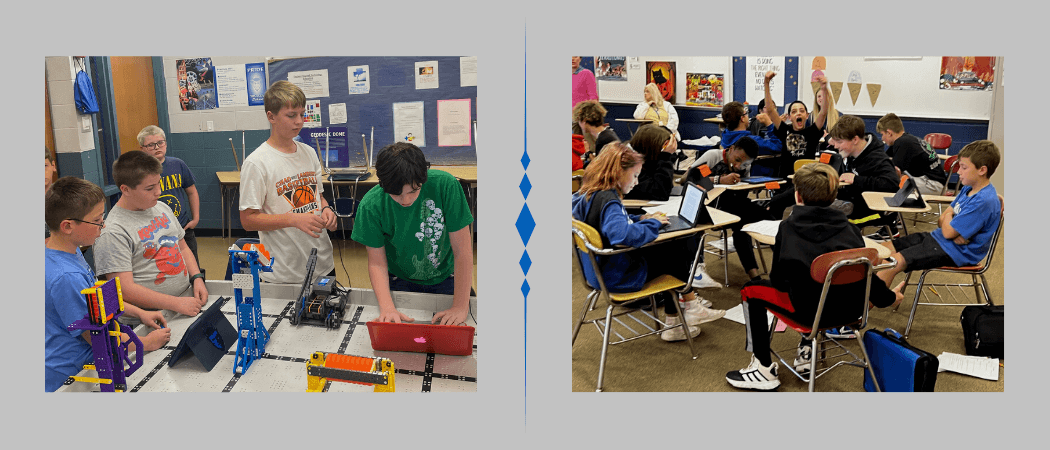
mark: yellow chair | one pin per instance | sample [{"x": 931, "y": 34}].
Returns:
[
  {"x": 577, "y": 178},
  {"x": 588, "y": 242},
  {"x": 802, "y": 162},
  {"x": 973, "y": 271}
]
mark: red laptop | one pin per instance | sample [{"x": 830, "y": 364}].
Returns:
[{"x": 422, "y": 338}]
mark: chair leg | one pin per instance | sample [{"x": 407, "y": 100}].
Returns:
[
  {"x": 813, "y": 362},
  {"x": 579, "y": 323},
  {"x": 605, "y": 347},
  {"x": 684, "y": 324},
  {"x": 725, "y": 255},
  {"x": 915, "y": 303},
  {"x": 907, "y": 277},
  {"x": 984, "y": 287}
]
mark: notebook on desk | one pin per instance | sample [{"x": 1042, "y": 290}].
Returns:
[
  {"x": 421, "y": 338},
  {"x": 691, "y": 212}
]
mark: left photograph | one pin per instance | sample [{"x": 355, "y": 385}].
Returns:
[{"x": 260, "y": 224}]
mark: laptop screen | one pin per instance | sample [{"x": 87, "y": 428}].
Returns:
[{"x": 691, "y": 203}]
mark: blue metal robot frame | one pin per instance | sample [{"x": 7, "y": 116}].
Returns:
[{"x": 252, "y": 338}]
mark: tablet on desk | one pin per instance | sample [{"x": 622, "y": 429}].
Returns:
[
  {"x": 760, "y": 180},
  {"x": 691, "y": 212}
]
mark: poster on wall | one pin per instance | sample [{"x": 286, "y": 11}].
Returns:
[
  {"x": 231, "y": 85},
  {"x": 663, "y": 74},
  {"x": 408, "y": 123},
  {"x": 967, "y": 73},
  {"x": 314, "y": 83},
  {"x": 357, "y": 78},
  {"x": 331, "y": 143},
  {"x": 256, "y": 73},
  {"x": 755, "y": 86},
  {"x": 704, "y": 89},
  {"x": 453, "y": 118},
  {"x": 468, "y": 71},
  {"x": 610, "y": 68},
  {"x": 426, "y": 75},
  {"x": 196, "y": 84},
  {"x": 312, "y": 116}
]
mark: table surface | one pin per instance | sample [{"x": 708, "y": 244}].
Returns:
[
  {"x": 877, "y": 201},
  {"x": 720, "y": 219},
  {"x": 283, "y": 366},
  {"x": 884, "y": 252},
  {"x": 634, "y": 120}
]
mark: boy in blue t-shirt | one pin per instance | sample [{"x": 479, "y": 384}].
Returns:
[
  {"x": 177, "y": 184},
  {"x": 74, "y": 211},
  {"x": 415, "y": 228},
  {"x": 965, "y": 230}
]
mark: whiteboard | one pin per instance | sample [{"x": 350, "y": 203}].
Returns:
[
  {"x": 909, "y": 88},
  {"x": 630, "y": 91}
]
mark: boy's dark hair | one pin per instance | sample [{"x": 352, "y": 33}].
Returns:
[
  {"x": 848, "y": 127},
  {"x": 731, "y": 114},
  {"x": 70, "y": 198},
  {"x": 748, "y": 145},
  {"x": 982, "y": 153},
  {"x": 47, "y": 155},
  {"x": 804, "y": 108},
  {"x": 400, "y": 164},
  {"x": 890, "y": 122},
  {"x": 817, "y": 184},
  {"x": 649, "y": 140},
  {"x": 590, "y": 112},
  {"x": 130, "y": 168}
]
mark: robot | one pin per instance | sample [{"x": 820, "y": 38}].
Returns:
[
  {"x": 105, "y": 305},
  {"x": 319, "y": 301}
]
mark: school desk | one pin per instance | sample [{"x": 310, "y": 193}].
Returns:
[
  {"x": 230, "y": 182},
  {"x": 766, "y": 239},
  {"x": 637, "y": 122},
  {"x": 282, "y": 368},
  {"x": 877, "y": 202}
]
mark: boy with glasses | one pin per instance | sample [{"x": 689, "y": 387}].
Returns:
[
  {"x": 73, "y": 211},
  {"x": 178, "y": 188}
]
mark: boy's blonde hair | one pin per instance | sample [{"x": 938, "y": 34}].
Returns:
[
  {"x": 70, "y": 198},
  {"x": 982, "y": 153},
  {"x": 131, "y": 167},
  {"x": 150, "y": 130},
  {"x": 890, "y": 122},
  {"x": 283, "y": 93},
  {"x": 654, "y": 93},
  {"x": 817, "y": 184}
]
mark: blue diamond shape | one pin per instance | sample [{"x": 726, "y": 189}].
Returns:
[
  {"x": 525, "y": 262},
  {"x": 525, "y": 288},
  {"x": 525, "y": 224},
  {"x": 525, "y": 160},
  {"x": 525, "y": 186}
]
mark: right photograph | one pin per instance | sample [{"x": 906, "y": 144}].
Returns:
[{"x": 788, "y": 223}]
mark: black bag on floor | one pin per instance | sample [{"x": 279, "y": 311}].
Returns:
[
  {"x": 898, "y": 366},
  {"x": 982, "y": 327}
]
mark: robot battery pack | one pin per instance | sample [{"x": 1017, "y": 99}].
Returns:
[{"x": 323, "y": 286}]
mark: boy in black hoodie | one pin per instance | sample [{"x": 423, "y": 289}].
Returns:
[
  {"x": 813, "y": 229},
  {"x": 867, "y": 168}
]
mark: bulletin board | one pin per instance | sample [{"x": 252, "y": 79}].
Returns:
[
  {"x": 904, "y": 85},
  {"x": 630, "y": 91},
  {"x": 392, "y": 80}
]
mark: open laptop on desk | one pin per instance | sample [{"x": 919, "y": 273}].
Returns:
[
  {"x": 424, "y": 337},
  {"x": 692, "y": 211}
]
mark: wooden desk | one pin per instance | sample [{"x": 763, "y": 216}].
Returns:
[
  {"x": 939, "y": 198},
  {"x": 639, "y": 123},
  {"x": 884, "y": 252},
  {"x": 230, "y": 182},
  {"x": 877, "y": 202},
  {"x": 632, "y": 203},
  {"x": 714, "y": 120},
  {"x": 719, "y": 217}
]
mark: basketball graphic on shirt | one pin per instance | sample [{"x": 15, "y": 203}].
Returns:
[{"x": 301, "y": 196}]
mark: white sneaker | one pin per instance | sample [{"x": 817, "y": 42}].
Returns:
[
  {"x": 803, "y": 357},
  {"x": 754, "y": 376},
  {"x": 696, "y": 313},
  {"x": 677, "y": 334},
  {"x": 701, "y": 280}
]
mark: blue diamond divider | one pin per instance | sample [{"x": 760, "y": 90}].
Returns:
[
  {"x": 525, "y": 160},
  {"x": 525, "y": 288},
  {"x": 525, "y": 262},
  {"x": 525, "y": 186},
  {"x": 525, "y": 224}
]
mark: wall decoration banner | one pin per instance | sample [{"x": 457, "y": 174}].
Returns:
[
  {"x": 662, "y": 73},
  {"x": 611, "y": 68},
  {"x": 196, "y": 84},
  {"x": 704, "y": 89},
  {"x": 967, "y": 73}
]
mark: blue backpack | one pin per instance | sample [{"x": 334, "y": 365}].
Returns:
[{"x": 84, "y": 94}]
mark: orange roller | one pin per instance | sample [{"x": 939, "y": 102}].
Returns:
[{"x": 349, "y": 362}]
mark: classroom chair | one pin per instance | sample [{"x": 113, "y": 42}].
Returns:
[
  {"x": 801, "y": 162},
  {"x": 240, "y": 244},
  {"x": 587, "y": 241},
  {"x": 972, "y": 271},
  {"x": 577, "y": 179},
  {"x": 951, "y": 167},
  {"x": 939, "y": 141},
  {"x": 833, "y": 268}
]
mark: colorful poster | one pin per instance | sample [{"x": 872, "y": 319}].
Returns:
[
  {"x": 408, "y": 123},
  {"x": 196, "y": 84},
  {"x": 357, "y": 77},
  {"x": 256, "y": 73},
  {"x": 314, "y": 83},
  {"x": 312, "y": 116},
  {"x": 331, "y": 143},
  {"x": 662, "y": 73},
  {"x": 970, "y": 73},
  {"x": 453, "y": 122},
  {"x": 426, "y": 75},
  {"x": 611, "y": 68},
  {"x": 704, "y": 89}
]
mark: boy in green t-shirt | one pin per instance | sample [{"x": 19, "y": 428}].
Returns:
[{"x": 415, "y": 226}]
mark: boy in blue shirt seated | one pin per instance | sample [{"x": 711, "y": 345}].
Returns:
[
  {"x": 74, "y": 210},
  {"x": 415, "y": 226},
  {"x": 965, "y": 230}
]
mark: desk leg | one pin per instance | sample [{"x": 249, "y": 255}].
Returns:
[{"x": 222, "y": 191}]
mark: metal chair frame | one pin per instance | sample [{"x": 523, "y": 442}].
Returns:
[
  {"x": 974, "y": 272},
  {"x": 855, "y": 264},
  {"x": 584, "y": 243}
]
